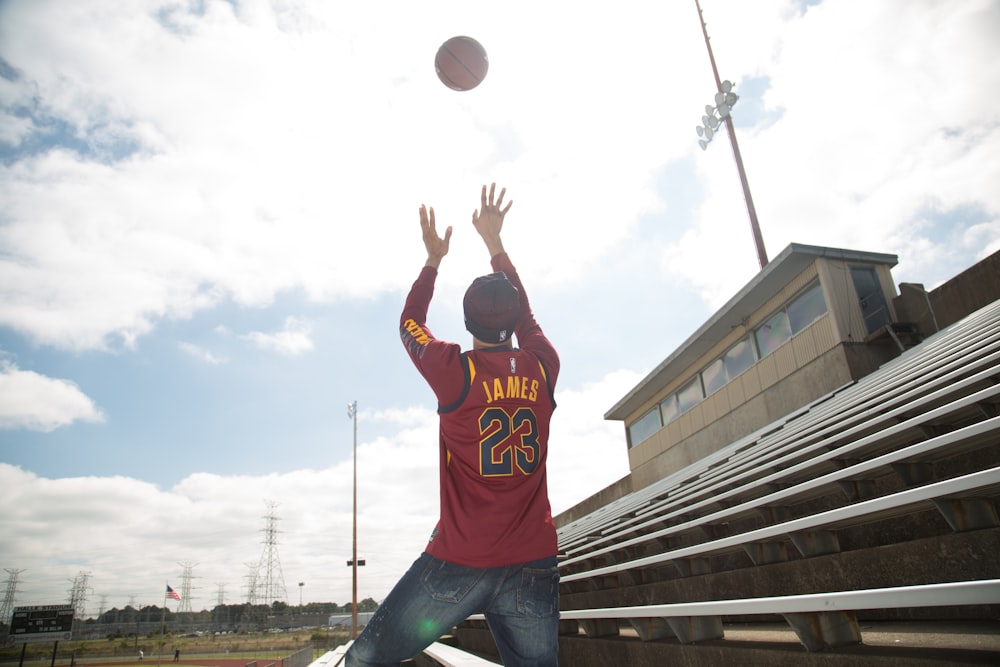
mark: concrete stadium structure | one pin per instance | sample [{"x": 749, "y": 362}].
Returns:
[
  {"x": 814, "y": 480},
  {"x": 820, "y": 458}
]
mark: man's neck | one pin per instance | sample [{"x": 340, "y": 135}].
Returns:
[{"x": 480, "y": 345}]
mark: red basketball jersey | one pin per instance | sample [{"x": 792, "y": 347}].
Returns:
[{"x": 495, "y": 406}]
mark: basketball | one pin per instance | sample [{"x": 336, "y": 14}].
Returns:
[{"x": 461, "y": 63}]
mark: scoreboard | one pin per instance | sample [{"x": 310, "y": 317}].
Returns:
[{"x": 41, "y": 623}]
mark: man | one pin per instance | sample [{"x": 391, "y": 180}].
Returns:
[{"x": 494, "y": 548}]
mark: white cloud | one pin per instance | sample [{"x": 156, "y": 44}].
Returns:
[
  {"x": 291, "y": 341},
  {"x": 130, "y": 535},
  {"x": 33, "y": 401},
  {"x": 274, "y": 155},
  {"x": 311, "y": 145},
  {"x": 587, "y": 452},
  {"x": 13, "y": 129},
  {"x": 201, "y": 353}
]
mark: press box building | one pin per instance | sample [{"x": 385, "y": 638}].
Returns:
[{"x": 813, "y": 320}]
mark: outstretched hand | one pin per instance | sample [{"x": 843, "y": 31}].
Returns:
[
  {"x": 488, "y": 220},
  {"x": 436, "y": 246}
]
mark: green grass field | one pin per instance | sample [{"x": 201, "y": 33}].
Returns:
[{"x": 264, "y": 647}]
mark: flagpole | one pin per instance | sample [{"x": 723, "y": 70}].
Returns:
[{"x": 163, "y": 625}]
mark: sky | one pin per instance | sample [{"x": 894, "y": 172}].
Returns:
[{"x": 209, "y": 223}]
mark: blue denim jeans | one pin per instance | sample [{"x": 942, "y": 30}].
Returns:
[{"x": 520, "y": 602}]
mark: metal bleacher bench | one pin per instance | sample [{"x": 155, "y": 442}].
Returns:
[
  {"x": 443, "y": 654},
  {"x": 449, "y": 656},
  {"x": 883, "y": 448}
]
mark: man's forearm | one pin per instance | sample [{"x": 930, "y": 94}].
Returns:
[{"x": 494, "y": 245}]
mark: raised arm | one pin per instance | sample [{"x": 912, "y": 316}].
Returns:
[
  {"x": 436, "y": 246},
  {"x": 488, "y": 220}
]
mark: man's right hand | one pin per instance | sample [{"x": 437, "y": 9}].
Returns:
[{"x": 488, "y": 220}]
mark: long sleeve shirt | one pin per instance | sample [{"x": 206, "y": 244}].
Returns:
[{"x": 494, "y": 405}]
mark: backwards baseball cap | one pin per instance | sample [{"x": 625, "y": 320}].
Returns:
[{"x": 492, "y": 307}]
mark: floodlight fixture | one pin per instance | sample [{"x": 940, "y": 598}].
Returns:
[{"x": 724, "y": 101}]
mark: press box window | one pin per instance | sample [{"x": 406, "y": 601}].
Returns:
[
  {"x": 644, "y": 427},
  {"x": 670, "y": 409},
  {"x": 773, "y": 334},
  {"x": 690, "y": 394},
  {"x": 714, "y": 376},
  {"x": 806, "y": 309},
  {"x": 739, "y": 358},
  {"x": 798, "y": 315},
  {"x": 727, "y": 367}
]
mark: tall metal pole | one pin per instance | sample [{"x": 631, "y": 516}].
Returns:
[
  {"x": 754, "y": 226},
  {"x": 352, "y": 412}
]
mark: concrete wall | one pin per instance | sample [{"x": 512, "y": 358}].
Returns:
[
  {"x": 967, "y": 292},
  {"x": 826, "y": 373}
]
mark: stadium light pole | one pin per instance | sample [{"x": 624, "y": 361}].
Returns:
[
  {"x": 727, "y": 118},
  {"x": 352, "y": 412}
]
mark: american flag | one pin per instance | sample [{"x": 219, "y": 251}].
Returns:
[{"x": 171, "y": 593}]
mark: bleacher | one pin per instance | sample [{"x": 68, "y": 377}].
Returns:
[
  {"x": 437, "y": 654},
  {"x": 876, "y": 503}
]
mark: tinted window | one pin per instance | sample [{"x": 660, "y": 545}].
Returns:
[
  {"x": 806, "y": 309},
  {"x": 775, "y": 332},
  {"x": 739, "y": 358},
  {"x": 714, "y": 376},
  {"x": 646, "y": 426},
  {"x": 690, "y": 395},
  {"x": 670, "y": 409}
]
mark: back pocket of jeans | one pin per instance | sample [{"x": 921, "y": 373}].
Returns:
[
  {"x": 538, "y": 595},
  {"x": 447, "y": 582}
]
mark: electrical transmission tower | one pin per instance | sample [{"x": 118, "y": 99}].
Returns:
[
  {"x": 271, "y": 581},
  {"x": 251, "y": 614},
  {"x": 251, "y": 583},
  {"x": 220, "y": 610},
  {"x": 186, "y": 577},
  {"x": 9, "y": 595},
  {"x": 78, "y": 594}
]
